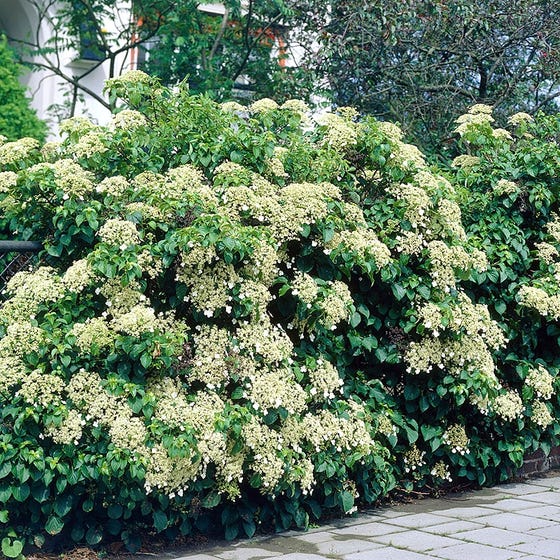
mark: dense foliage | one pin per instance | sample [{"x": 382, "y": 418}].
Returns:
[
  {"x": 224, "y": 49},
  {"x": 17, "y": 119},
  {"x": 423, "y": 62},
  {"x": 244, "y": 317}
]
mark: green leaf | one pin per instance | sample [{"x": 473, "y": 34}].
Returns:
[
  {"x": 429, "y": 432},
  {"x": 11, "y": 548},
  {"x": 160, "y": 520},
  {"x": 21, "y": 472},
  {"x": 5, "y": 493},
  {"x": 231, "y": 532},
  {"x": 62, "y": 505},
  {"x": 212, "y": 500},
  {"x": 87, "y": 506},
  {"x": 146, "y": 359},
  {"x": 115, "y": 511},
  {"x": 500, "y": 307},
  {"x": 77, "y": 533},
  {"x": 347, "y": 501},
  {"x": 54, "y": 525},
  {"x": 4, "y": 516},
  {"x": 40, "y": 493},
  {"x": 355, "y": 319},
  {"x": 94, "y": 536},
  {"x": 21, "y": 492},
  {"x": 249, "y": 527},
  {"x": 398, "y": 291},
  {"x": 132, "y": 541},
  {"x": 411, "y": 434},
  {"x": 5, "y": 469}
]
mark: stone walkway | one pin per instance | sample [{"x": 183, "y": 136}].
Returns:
[{"x": 512, "y": 521}]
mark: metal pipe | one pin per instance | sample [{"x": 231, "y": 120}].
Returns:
[{"x": 8, "y": 246}]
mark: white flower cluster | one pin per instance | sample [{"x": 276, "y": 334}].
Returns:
[
  {"x": 78, "y": 276},
  {"x": 340, "y": 133},
  {"x": 441, "y": 470},
  {"x": 27, "y": 291},
  {"x": 8, "y": 180},
  {"x": 413, "y": 459},
  {"x": 272, "y": 388},
  {"x": 335, "y": 306},
  {"x": 263, "y": 105},
  {"x": 114, "y": 186},
  {"x": 541, "y": 414},
  {"x": 445, "y": 259},
  {"x": 364, "y": 243},
  {"x": 41, "y": 389},
  {"x": 508, "y": 406},
  {"x": 456, "y": 438},
  {"x": 325, "y": 380},
  {"x": 94, "y": 334},
  {"x": 120, "y": 233},
  {"x": 503, "y": 186},
  {"x": 477, "y": 115},
  {"x": 90, "y": 144},
  {"x": 139, "y": 320},
  {"x": 385, "y": 426},
  {"x": 537, "y": 299},
  {"x": 541, "y": 381},
  {"x": 128, "y": 119},
  {"x": 518, "y": 118},
  {"x": 68, "y": 430},
  {"x": 465, "y": 161},
  {"x": 14, "y": 152},
  {"x": 473, "y": 335}
]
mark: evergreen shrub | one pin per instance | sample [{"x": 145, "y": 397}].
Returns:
[
  {"x": 17, "y": 118},
  {"x": 243, "y": 318}
]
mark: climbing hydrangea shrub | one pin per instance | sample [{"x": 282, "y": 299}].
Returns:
[
  {"x": 508, "y": 192},
  {"x": 241, "y": 318}
]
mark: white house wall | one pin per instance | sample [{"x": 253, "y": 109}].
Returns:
[{"x": 19, "y": 20}]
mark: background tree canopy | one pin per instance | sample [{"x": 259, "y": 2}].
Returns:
[
  {"x": 423, "y": 62},
  {"x": 420, "y": 62}
]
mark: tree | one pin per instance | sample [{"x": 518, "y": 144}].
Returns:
[
  {"x": 242, "y": 46},
  {"x": 17, "y": 118},
  {"x": 422, "y": 62}
]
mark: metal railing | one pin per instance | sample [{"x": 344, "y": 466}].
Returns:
[{"x": 16, "y": 256}]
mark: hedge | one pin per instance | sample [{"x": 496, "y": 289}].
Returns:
[{"x": 249, "y": 319}]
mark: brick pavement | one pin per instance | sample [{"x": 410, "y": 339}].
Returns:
[{"x": 517, "y": 521}]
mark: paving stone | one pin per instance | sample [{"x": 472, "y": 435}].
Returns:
[
  {"x": 389, "y": 513},
  {"x": 316, "y": 537},
  {"x": 388, "y": 554},
  {"x": 195, "y": 556},
  {"x": 513, "y": 504},
  {"x": 514, "y": 521},
  {"x": 418, "y": 520},
  {"x": 299, "y": 556},
  {"x": 552, "y": 532},
  {"x": 245, "y": 553},
  {"x": 369, "y": 529},
  {"x": 532, "y": 557},
  {"x": 520, "y": 489},
  {"x": 550, "y": 482},
  {"x": 495, "y": 537},
  {"x": 452, "y": 527},
  {"x": 418, "y": 541},
  {"x": 549, "y": 497},
  {"x": 546, "y": 547},
  {"x": 546, "y": 512},
  {"x": 347, "y": 547},
  {"x": 468, "y": 512},
  {"x": 474, "y": 550}
]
